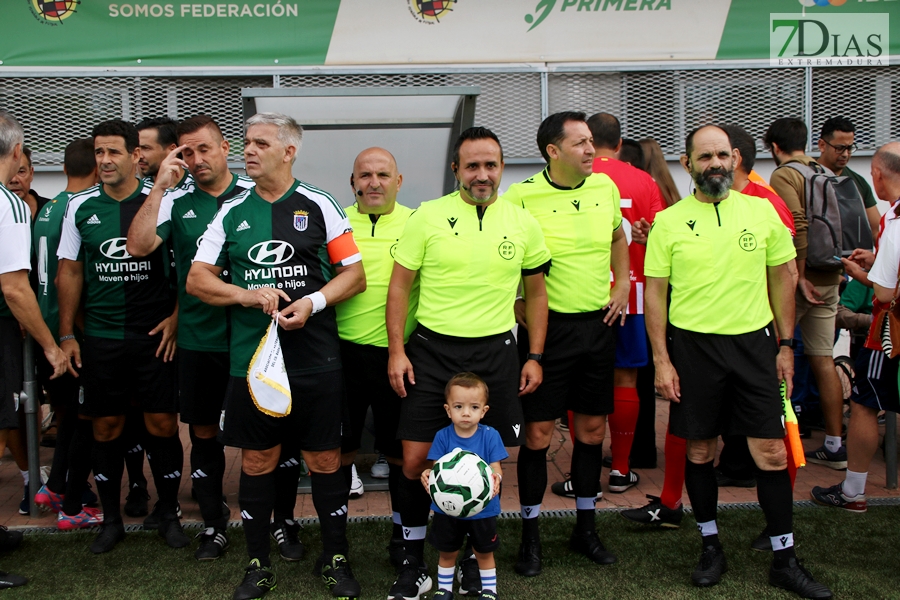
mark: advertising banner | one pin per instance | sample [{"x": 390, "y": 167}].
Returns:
[{"x": 241, "y": 33}]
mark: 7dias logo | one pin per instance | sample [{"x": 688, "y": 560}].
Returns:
[
  {"x": 52, "y": 12},
  {"x": 829, "y": 40}
]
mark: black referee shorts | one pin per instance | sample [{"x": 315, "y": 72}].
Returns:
[
  {"x": 436, "y": 358},
  {"x": 117, "y": 373},
  {"x": 579, "y": 360},
  {"x": 11, "y": 371},
  {"x": 366, "y": 384},
  {"x": 729, "y": 385},
  {"x": 202, "y": 380},
  {"x": 314, "y": 423}
]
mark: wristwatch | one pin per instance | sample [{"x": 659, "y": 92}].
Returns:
[
  {"x": 788, "y": 343},
  {"x": 535, "y": 357}
]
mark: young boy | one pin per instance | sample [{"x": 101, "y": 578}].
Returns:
[{"x": 466, "y": 397}]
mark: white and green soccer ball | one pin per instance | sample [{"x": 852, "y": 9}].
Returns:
[{"x": 460, "y": 483}]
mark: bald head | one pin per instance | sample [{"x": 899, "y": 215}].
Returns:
[
  {"x": 886, "y": 171},
  {"x": 375, "y": 181}
]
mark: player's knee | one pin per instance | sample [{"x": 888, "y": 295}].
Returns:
[
  {"x": 161, "y": 424},
  {"x": 701, "y": 452},
  {"x": 106, "y": 429},
  {"x": 256, "y": 462},
  {"x": 327, "y": 461},
  {"x": 769, "y": 455},
  {"x": 205, "y": 432},
  {"x": 538, "y": 434}
]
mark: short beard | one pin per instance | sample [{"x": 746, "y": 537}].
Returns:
[{"x": 714, "y": 188}]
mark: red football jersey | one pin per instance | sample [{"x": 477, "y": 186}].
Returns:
[
  {"x": 754, "y": 189},
  {"x": 640, "y": 199}
]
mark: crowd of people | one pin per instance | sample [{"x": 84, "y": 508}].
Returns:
[{"x": 150, "y": 281}]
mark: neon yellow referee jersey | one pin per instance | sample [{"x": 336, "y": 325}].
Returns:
[
  {"x": 715, "y": 256},
  {"x": 361, "y": 319},
  {"x": 470, "y": 261},
  {"x": 578, "y": 225}
]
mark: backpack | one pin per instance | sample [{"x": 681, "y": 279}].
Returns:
[{"x": 835, "y": 214}]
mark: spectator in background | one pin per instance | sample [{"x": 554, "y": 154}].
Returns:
[
  {"x": 632, "y": 153},
  {"x": 836, "y": 145},
  {"x": 655, "y": 164}
]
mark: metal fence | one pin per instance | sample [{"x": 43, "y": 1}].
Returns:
[{"x": 663, "y": 103}]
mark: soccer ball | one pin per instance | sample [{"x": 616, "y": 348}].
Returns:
[{"x": 461, "y": 484}]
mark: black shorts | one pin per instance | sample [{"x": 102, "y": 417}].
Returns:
[
  {"x": 202, "y": 380},
  {"x": 448, "y": 534},
  {"x": 366, "y": 384},
  {"x": 11, "y": 372},
  {"x": 314, "y": 423},
  {"x": 117, "y": 373},
  {"x": 436, "y": 358},
  {"x": 579, "y": 360},
  {"x": 62, "y": 391},
  {"x": 875, "y": 384},
  {"x": 729, "y": 385}
]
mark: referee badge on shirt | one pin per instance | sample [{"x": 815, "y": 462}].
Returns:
[{"x": 301, "y": 220}]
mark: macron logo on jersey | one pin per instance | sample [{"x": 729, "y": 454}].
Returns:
[
  {"x": 93, "y": 220},
  {"x": 189, "y": 215},
  {"x": 244, "y": 226}
]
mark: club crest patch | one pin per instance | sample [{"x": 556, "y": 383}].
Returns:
[{"x": 301, "y": 220}]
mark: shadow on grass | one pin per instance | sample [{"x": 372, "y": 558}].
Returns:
[{"x": 856, "y": 555}]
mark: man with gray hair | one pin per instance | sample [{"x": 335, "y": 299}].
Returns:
[
  {"x": 18, "y": 304},
  {"x": 875, "y": 386},
  {"x": 275, "y": 239}
]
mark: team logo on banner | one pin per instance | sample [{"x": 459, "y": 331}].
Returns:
[
  {"x": 301, "y": 220},
  {"x": 52, "y": 12},
  {"x": 430, "y": 11}
]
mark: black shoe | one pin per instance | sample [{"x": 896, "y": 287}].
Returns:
[
  {"x": 136, "y": 501},
  {"x": 711, "y": 568},
  {"x": 338, "y": 577},
  {"x": 258, "y": 580},
  {"x": 287, "y": 535},
  {"x": 488, "y": 596},
  {"x": 469, "y": 577},
  {"x": 8, "y": 580},
  {"x": 170, "y": 530},
  {"x": 213, "y": 543},
  {"x": 412, "y": 581},
  {"x": 797, "y": 579},
  {"x": 565, "y": 488},
  {"x": 153, "y": 519},
  {"x": 442, "y": 595},
  {"x": 619, "y": 483},
  {"x": 9, "y": 540},
  {"x": 396, "y": 552},
  {"x": 589, "y": 544},
  {"x": 762, "y": 543},
  {"x": 655, "y": 513},
  {"x": 723, "y": 480},
  {"x": 110, "y": 535},
  {"x": 528, "y": 563}
]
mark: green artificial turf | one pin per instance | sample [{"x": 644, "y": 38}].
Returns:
[{"x": 856, "y": 555}]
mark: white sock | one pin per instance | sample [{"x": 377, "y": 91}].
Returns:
[
  {"x": 708, "y": 528},
  {"x": 488, "y": 580},
  {"x": 833, "y": 443},
  {"x": 25, "y": 477},
  {"x": 854, "y": 483},
  {"x": 445, "y": 578}
]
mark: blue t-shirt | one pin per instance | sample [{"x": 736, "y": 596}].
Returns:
[{"x": 486, "y": 443}]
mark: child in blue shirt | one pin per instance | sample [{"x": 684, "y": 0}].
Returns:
[{"x": 466, "y": 398}]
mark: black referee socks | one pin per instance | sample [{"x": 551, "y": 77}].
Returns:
[
  {"x": 330, "y": 494},
  {"x": 394, "y": 474},
  {"x": 166, "y": 456},
  {"x": 56, "y": 483},
  {"x": 587, "y": 463},
  {"x": 207, "y": 470},
  {"x": 531, "y": 470},
  {"x": 773, "y": 488},
  {"x": 256, "y": 497},
  {"x": 414, "y": 506},
  {"x": 79, "y": 466},
  {"x": 109, "y": 464},
  {"x": 702, "y": 489}
]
